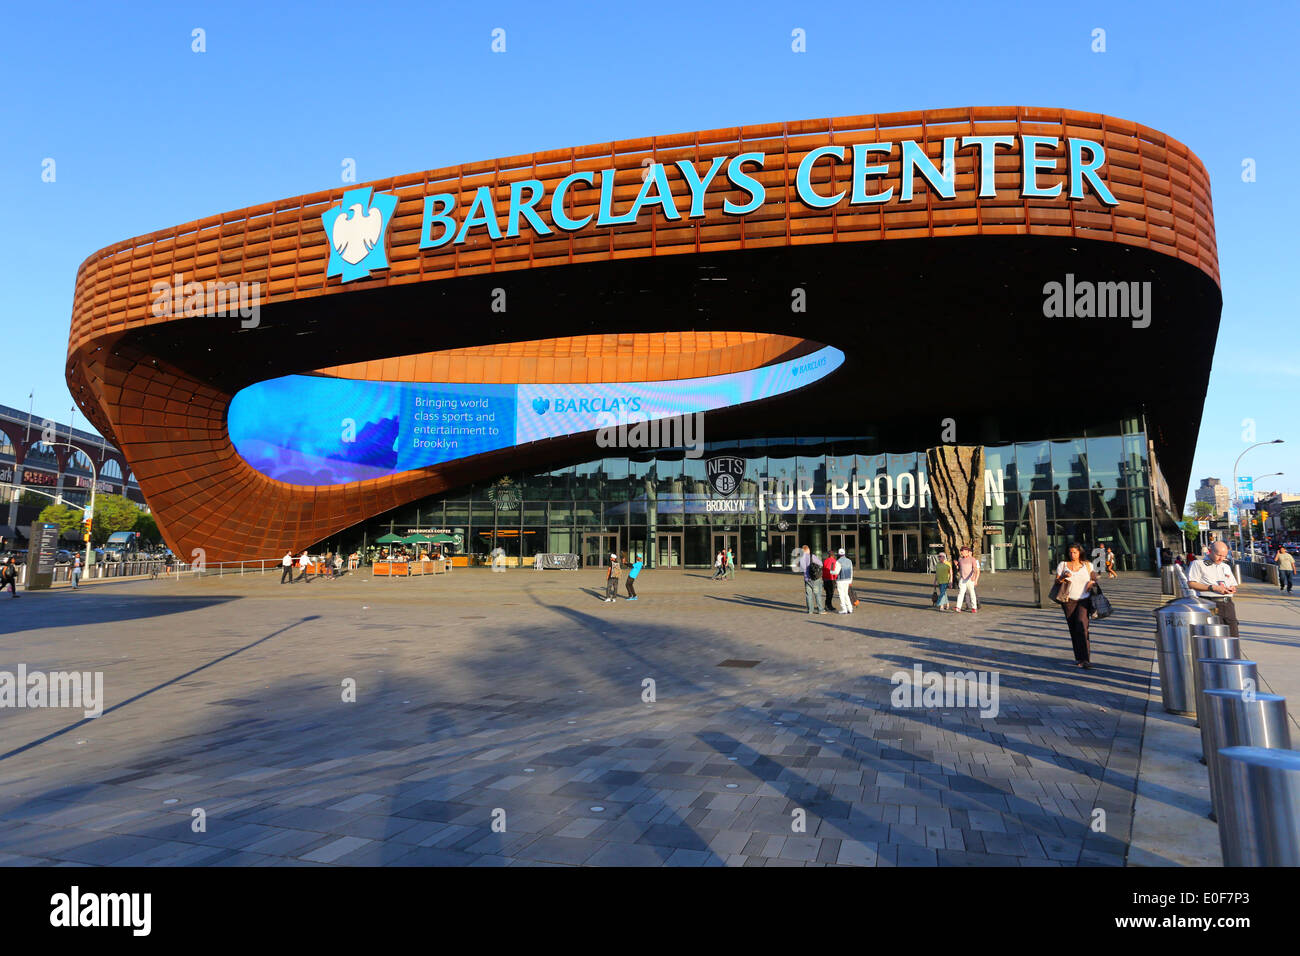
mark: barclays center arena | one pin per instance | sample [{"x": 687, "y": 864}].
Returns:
[{"x": 818, "y": 307}]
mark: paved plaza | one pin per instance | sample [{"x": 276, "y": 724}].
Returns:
[{"x": 502, "y": 719}]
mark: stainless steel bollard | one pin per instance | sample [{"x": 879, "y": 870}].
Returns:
[
  {"x": 1260, "y": 825},
  {"x": 1212, "y": 641},
  {"x": 1174, "y": 623},
  {"x": 1219, "y": 674},
  {"x": 1167, "y": 579},
  {"x": 1236, "y": 718}
]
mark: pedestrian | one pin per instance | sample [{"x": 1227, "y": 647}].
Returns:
[
  {"x": 9, "y": 577},
  {"x": 76, "y": 572},
  {"x": 843, "y": 579},
  {"x": 499, "y": 559},
  {"x": 304, "y": 567},
  {"x": 1110, "y": 563},
  {"x": 942, "y": 578},
  {"x": 1285, "y": 569},
  {"x": 731, "y": 564},
  {"x": 1076, "y": 578},
  {"x": 811, "y": 568},
  {"x": 611, "y": 579},
  {"x": 719, "y": 565},
  {"x": 1214, "y": 578},
  {"x": 632, "y": 573},
  {"x": 968, "y": 576},
  {"x": 830, "y": 571}
]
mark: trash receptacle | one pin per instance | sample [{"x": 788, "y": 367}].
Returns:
[
  {"x": 1236, "y": 718},
  {"x": 1260, "y": 824},
  {"x": 1220, "y": 674},
  {"x": 1174, "y": 623}
]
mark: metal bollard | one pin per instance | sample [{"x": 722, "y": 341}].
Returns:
[
  {"x": 1167, "y": 579},
  {"x": 1235, "y": 718},
  {"x": 1220, "y": 674},
  {"x": 1174, "y": 623},
  {"x": 1210, "y": 641},
  {"x": 1261, "y": 807}
]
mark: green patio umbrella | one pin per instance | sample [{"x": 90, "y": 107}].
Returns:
[
  {"x": 389, "y": 539},
  {"x": 416, "y": 539}
]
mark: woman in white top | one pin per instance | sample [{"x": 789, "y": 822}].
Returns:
[{"x": 1077, "y": 578}]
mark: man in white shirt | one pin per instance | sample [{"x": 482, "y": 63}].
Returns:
[
  {"x": 1214, "y": 580},
  {"x": 286, "y": 565}
]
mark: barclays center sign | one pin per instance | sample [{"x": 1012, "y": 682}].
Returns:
[{"x": 357, "y": 226}]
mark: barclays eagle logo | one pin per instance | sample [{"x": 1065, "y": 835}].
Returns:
[
  {"x": 357, "y": 235},
  {"x": 540, "y": 405}
]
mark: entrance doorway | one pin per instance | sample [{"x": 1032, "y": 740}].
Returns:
[
  {"x": 905, "y": 551},
  {"x": 722, "y": 540},
  {"x": 596, "y": 547},
  {"x": 780, "y": 546},
  {"x": 668, "y": 551},
  {"x": 848, "y": 540}
]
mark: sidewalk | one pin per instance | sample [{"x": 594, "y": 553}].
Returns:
[{"x": 1171, "y": 825}]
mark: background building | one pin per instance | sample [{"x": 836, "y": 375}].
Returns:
[
  {"x": 1214, "y": 492},
  {"x": 32, "y": 470}
]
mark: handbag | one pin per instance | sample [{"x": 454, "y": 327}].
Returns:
[
  {"x": 934, "y": 596},
  {"x": 1059, "y": 594},
  {"x": 1100, "y": 604}
]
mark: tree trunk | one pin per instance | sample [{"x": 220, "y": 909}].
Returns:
[{"x": 956, "y": 476}]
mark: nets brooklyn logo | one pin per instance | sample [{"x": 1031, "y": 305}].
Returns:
[{"x": 725, "y": 472}]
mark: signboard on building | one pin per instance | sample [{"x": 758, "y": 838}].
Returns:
[{"x": 33, "y": 477}]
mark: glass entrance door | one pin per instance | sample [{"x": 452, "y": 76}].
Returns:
[
  {"x": 722, "y": 540},
  {"x": 668, "y": 551},
  {"x": 848, "y": 540},
  {"x": 905, "y": 551},
  {"x": 780, "y": 548},
  {"x": 596, "y": 548}
]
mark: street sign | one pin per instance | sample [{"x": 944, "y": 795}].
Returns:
[{"x": 1203, "y": 525}]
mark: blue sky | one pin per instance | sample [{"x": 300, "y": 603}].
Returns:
[{"x": 147, "y": 134}]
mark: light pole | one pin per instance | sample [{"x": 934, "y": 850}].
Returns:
[
  {"x": 1275, "y": 441},
  {"x": 94, "y": 483},
  {"x": 1250, "y": 525}
]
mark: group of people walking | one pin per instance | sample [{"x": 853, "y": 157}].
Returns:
[
  {"x": 616, "y": 567},
  {"x": 724, "y": 565},
  {"x": 966, "y": 571},
  {"x": 331, "y": 566}
]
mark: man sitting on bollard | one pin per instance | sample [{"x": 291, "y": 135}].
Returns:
[{"x": 1214, "y": 580}]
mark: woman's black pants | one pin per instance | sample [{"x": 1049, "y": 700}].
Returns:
[{"x": 1076, "y": 616}]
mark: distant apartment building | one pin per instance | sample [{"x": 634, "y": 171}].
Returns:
[{"x": 1216, "y": 493}]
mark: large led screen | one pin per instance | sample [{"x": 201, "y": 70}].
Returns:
[{"x": 316, "y": 430}]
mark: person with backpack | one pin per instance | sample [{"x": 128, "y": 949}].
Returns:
[
  {"x": 830, "y": 569},
  {"x": 9, "y": 577},
  {"x": 843, "y": 580},
  {"x": 811, "y": 569},
  {"x": 611, "y": 579},
  {"x": 632, "y": 573}
]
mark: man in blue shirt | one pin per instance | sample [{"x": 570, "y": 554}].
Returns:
[{"x": 637, "y": 565}]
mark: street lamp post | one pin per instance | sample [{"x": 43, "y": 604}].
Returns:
[
  {"x": 1275, "y": 441},
  {"x": 94, "y": 483}
]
